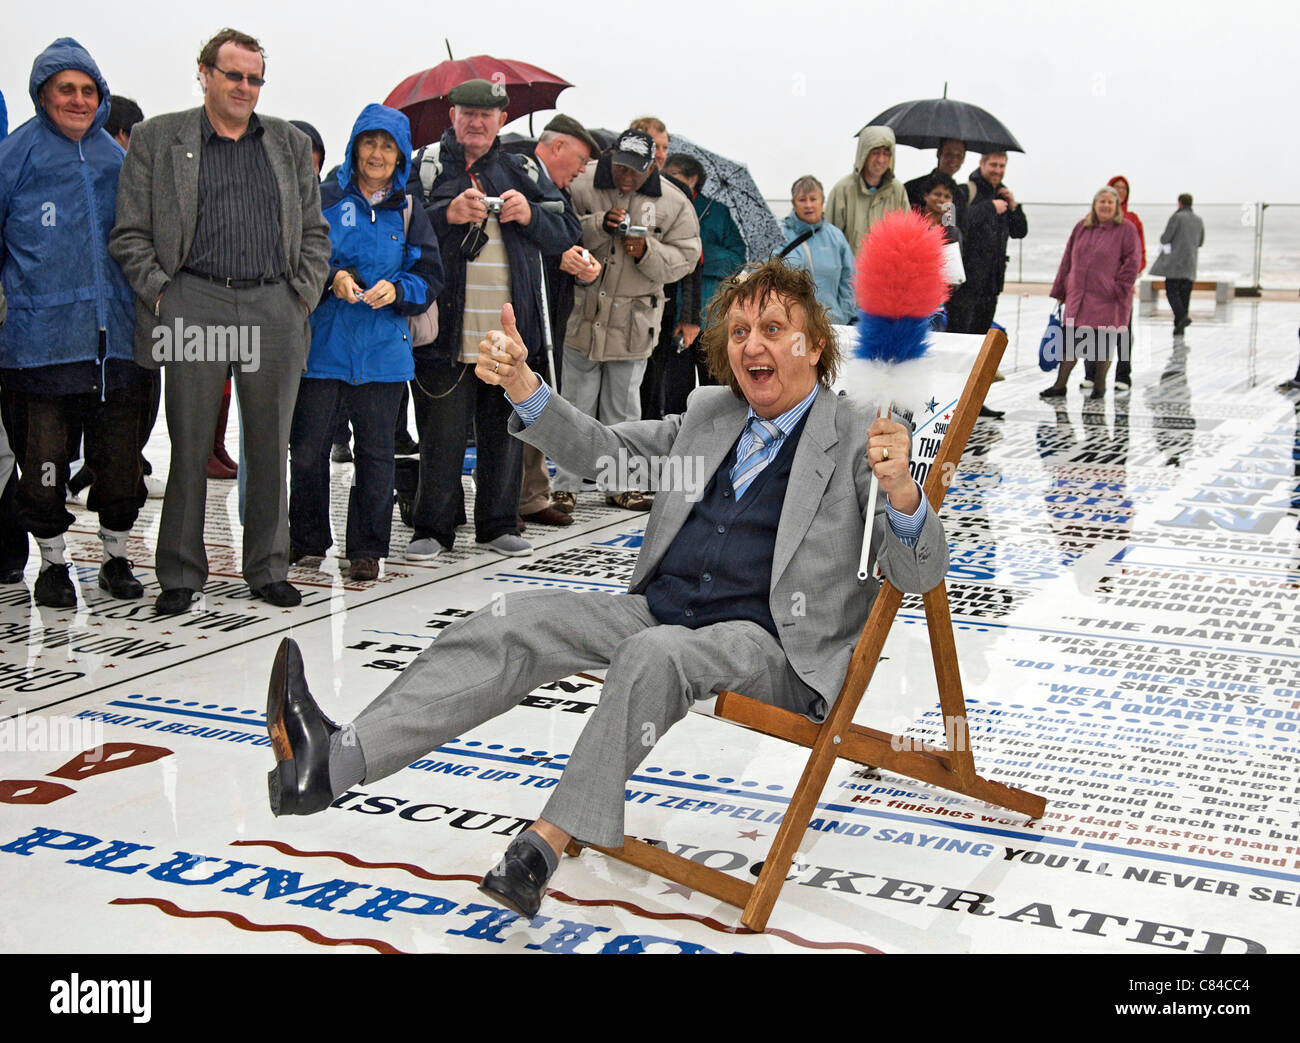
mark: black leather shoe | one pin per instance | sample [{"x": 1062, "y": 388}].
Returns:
[
  {"x": 299, "y": 784},
  {"x": 518, "y": 881},
  {"x": 54, "y": 588},
  {"x": 279, "y": 593},
  {"x": 115, "y": 577},
  {"x": 992, "y": 414},
  {"x": 171, "y": 602},
  {"x": 11, "y": 575}
]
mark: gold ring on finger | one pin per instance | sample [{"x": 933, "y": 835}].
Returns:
[
  {"x": 884, "y": 453},
  {"x": 496, "y": 366}
]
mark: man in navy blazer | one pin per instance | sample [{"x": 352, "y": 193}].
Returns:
[{"x": 746, "y": 580}]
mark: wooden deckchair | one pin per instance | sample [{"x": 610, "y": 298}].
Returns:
[{"x": 838, "y": 736}]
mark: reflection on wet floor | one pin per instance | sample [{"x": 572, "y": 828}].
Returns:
[{"x": 1124, "y": 586}]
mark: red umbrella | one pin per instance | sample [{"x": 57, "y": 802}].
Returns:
[{"x": 423, "y": 96}]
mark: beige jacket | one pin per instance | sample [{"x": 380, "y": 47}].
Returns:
[
  {"x": 852, "y": 207},
  {"x": 616, "y": 318}
]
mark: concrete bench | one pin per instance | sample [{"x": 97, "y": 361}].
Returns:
[{"x": 1223, "y": 284}]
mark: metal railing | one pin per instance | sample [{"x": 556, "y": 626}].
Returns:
[
  {"x": 1258, "y": 241},
  {"x": 1235, "y": 241}
]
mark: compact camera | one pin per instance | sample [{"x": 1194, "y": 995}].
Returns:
[{"x": 493, "y": 204}]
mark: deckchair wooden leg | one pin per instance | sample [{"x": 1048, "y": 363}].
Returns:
[
  {"x": 790, "y": 835},
  {"x": 943, "y": 650}
]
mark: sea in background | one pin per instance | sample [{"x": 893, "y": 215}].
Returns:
[{"x": 1229, "y": 240}]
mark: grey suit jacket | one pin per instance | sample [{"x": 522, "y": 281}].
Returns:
[
  {"x": 158, "y": 209},
  {"x": 816, "y": 600}
]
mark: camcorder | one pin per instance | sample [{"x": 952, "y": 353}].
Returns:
[{"x": 630, "y": 231}]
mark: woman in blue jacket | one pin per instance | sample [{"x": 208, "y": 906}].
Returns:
[
  {"x": 825, "y": 254},
  {"x": 384, "y": 267}
]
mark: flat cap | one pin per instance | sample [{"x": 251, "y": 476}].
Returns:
[
  {"x": 562, "y": 124},
  {"x": 479, "y": 94}
]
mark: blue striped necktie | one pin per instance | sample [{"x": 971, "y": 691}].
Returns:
[{"x": 765, "y": 433}]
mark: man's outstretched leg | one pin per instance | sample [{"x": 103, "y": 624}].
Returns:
[
  {"x": 478, "y": 668},
  {"x": 654, "y": 677}
]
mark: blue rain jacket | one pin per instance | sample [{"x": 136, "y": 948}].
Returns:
[
  {"x": 828, "y": 258},
  {"x": 57, "y": 200},
  {"x": 352, "y": 341}
]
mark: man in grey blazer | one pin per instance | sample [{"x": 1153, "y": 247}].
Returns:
[
  {"x": 745, "y": 580},
  {"x": 219, "y": 231}
]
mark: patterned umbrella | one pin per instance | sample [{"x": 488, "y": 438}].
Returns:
[
  {"x": 423, "y": 96},
  {"x": 731, "y": 183}
]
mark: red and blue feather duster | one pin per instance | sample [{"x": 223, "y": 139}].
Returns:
[{"x": 899, "y": 284}]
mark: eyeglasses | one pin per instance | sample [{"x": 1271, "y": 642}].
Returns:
[{"x": 239, "y": 77}]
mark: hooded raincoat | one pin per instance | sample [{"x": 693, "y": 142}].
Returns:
[
  {"x": 1129, "y": 216},
  {"x": 853, "y": 206},
  {"x": 350, "y": 341},
  {"x": 68, "y": 300}
]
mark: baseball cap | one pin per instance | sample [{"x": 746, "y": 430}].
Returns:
[{"x": 635, "y": 149}]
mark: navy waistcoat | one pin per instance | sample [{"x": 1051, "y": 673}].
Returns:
[{"x": 719, "y": 566}]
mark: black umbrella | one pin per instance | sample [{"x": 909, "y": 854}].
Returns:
[{"x": 925, "y": 124}]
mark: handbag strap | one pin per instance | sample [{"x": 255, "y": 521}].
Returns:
[{"x": 798, "y": 240}]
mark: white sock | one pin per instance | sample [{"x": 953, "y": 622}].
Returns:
[
  {"x": 51, "y": 551},
  {"x": 114, "y": 542}
]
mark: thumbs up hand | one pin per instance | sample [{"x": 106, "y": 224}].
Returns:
[{"x": 503, "y": 359}]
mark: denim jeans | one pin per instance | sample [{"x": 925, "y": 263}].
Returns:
[
  {"x": 372, "y": 409},
  {"x": 447, "y": 399}
]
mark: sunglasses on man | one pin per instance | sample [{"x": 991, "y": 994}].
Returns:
[{"x": 236, "y": 77}]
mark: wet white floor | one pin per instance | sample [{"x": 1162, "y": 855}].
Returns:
[{"x": 1124, "y": 584}]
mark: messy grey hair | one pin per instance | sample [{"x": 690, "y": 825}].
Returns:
[{"x": 806, "y": 184}]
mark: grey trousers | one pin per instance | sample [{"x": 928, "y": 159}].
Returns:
[
  {"x": 485, "y": 664},
  {"x": 266, "y": 399},
  {"x": 609, "y": 391}
]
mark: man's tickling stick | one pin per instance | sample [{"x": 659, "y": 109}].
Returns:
[{"x": 899, "y": 284}]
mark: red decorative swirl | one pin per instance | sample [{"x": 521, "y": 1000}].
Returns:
[
  {"x": 244, "y": 924},
  {"x": 636, "y": 910}
]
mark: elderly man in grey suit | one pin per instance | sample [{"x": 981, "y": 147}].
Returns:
[
  {"x": 746, "y": 579},
  {"x": 219, "y": 231}
]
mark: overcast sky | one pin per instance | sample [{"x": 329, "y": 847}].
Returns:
[{"x": 1178, "y": 96}]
